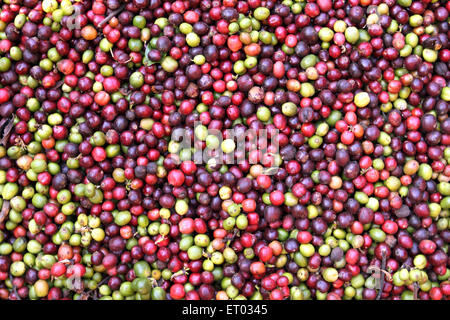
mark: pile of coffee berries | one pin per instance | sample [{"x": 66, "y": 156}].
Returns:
[{"x": 224, "y": 149}]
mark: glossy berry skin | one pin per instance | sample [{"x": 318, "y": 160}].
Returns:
[{"x": 224, "y": 150}]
